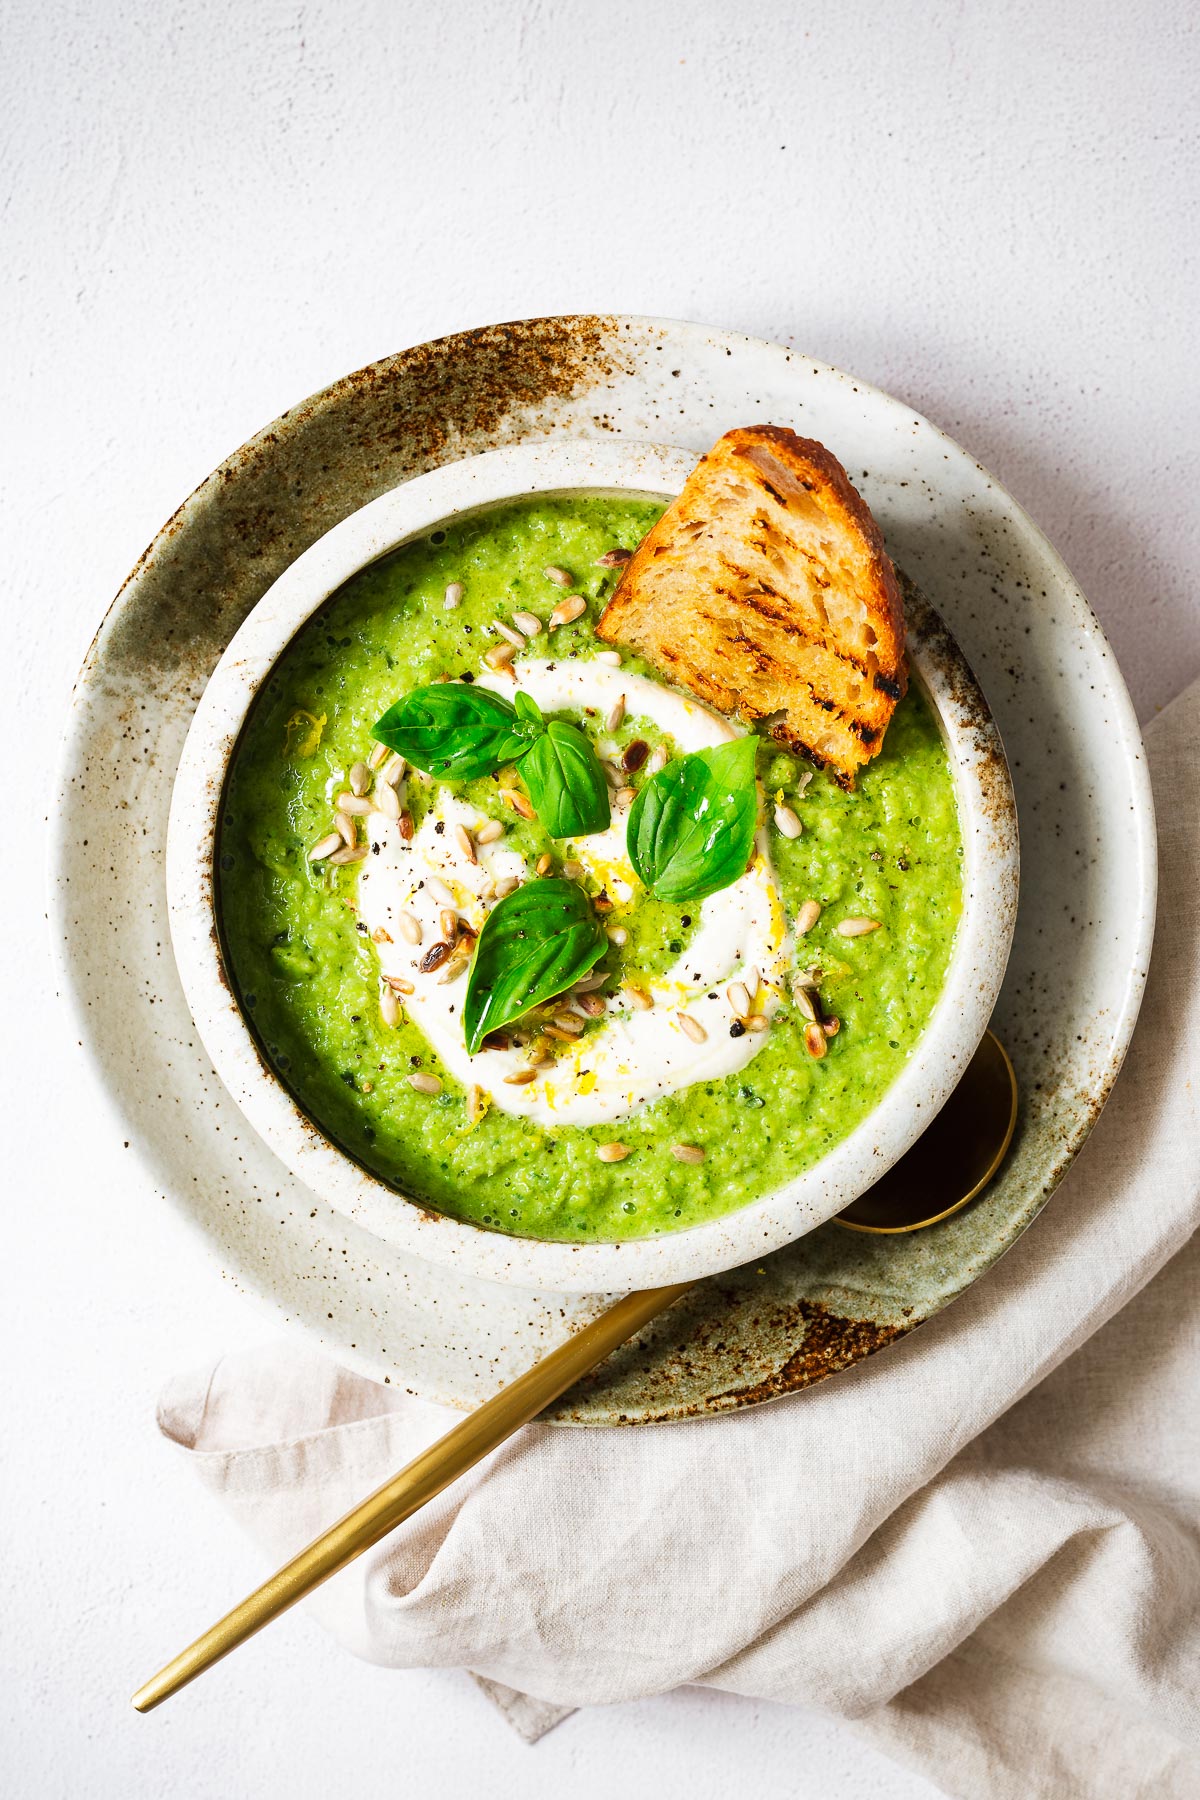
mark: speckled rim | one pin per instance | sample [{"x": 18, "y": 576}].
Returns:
[{"x": 987, "y": 812}]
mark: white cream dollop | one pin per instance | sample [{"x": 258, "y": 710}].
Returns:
[{"x": 635, "y": 1056}]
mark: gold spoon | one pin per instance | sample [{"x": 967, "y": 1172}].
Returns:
[{"x": 948, "y": 1166}]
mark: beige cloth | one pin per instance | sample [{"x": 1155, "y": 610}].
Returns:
[{"x": 981, "y": 1548}]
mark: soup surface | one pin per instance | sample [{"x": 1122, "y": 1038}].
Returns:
[{"x": 307, "y": 942}]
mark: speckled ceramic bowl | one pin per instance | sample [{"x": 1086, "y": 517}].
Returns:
[{"x": 988, "y": 818}]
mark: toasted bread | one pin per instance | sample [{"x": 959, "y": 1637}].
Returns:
[{"x": 766, "y": 590}]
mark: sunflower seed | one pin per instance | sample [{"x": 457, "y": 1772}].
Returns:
[
  {"x": 520, "y": 1078},
  {"x": 637, "y": 996},
  {"x": 389, "y": 1007},
  {"x": 635, "y": 755},
  {"x": 539, "y": 1053},
  {"x": 462, "y": 838},
  {"x": 753, "y": 981},
  {"x": 568, "y": 1022},
  {"x": 566, "y": 610},
  {"x": 613, "y": 559},
  {"x": 586, "y": 983},
  {"x": 831, "y": 1027},
  {"x": 518, "y": 802},
  {"x": 489, "y": 832},
  {"x": 515, "y": 638},
  {"x": 560, "y": 577},
  {"x": 687, "y": 1153},
  {"x": 359, "y": 778},
  {"x": 476, "y": 1105},
  {"x": 393, "y": 774},
  {"x": 857, "y": 927},
  {"x": 499, "y": 656},
  {"x": 814, "y": 1041},
  {"x": 453, "y": 595},
  {"x": 347, "y": 830},
  {"x": 807, "y": 917},
  {"x": 388, "y": 801},
  {"x": 380, "y": 936},
  {"x": 738, "y": 998},
  {"x": 611, "y": 1152},
  {"x": 509, "y": 885},
  {"x": 456, "y": 965},
  {"x": 325, "y": 847},
  {"x": 616, "y": 713},
  {"x": 615, "y": 777},
  {"x": 425, "y": 1084},
  {"x": 573, "y": 870},
  {"x": 408, "y": 927},
  {"x": 756, "y": 1022},
  {"x": 379, "y": 754},
  {"x": 658, "y": 760},
  {"x": 440, "y": 892},
  {"x": 611, "y": 657},
  {"x": 353, "y": 803},
  {"x": 433, "y": 958},
  {"x": 692, "y": 1028},
  {"x": 545, "y": 863},
  {"x": 527, "y": 622},
  {"x": 559, "y": 1035},
  {"x": 617, "y": 934},
  {"x": 398, "y": 982},
  {"x": 787, "y": 822},
  {"x": 804, "y": 1001},
  {"x": 407, "y": 827},
  {"x": 346, "y": 855},
  {"x": 449, "y": 923}
]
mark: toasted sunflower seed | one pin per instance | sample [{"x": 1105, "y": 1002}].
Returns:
[
  {"x": 449, "y": 923},
  {"x": 476, "y": 1105},
  {"x": 611, "y": 1152},
  {"x": 379, "y": 754},
  {"x": 738, "y": 998},
  {"x": 616, "y": 713},
  {"x": 408, "y": 927},
  {"x": 425, "y": 1084},
  {"x": 568, "y": 1022},
  {"x": 518, "y": 802},
  {"x": 388, "y": 801},
  {"x": 637, "y": 996},
  {"x": 539, "y": 1053},
  {"x": 814, "y": 1041},
  {"x": 831, "y": 1027},
  {"x": 389, "y": 1007},
  {"x": 635, "y": 755},
  {"x": 359, "y": 778},
  {"x": 691, "y": 1027},
  {"x": 611, "y": 657},
  {"x": 434, "y": 957},
  {"x": 457, "y": 961},
  {"x": 380, "y": 936},
  {"x": 613, "y": 559},
  {"x": 804, "y": 1001},
  {"x": 453, "y": 595},
  {"x": 520, "y": 1078},
  {"x": 440, "y": 892},
  {"x": 559, "y": 1035},
  {"x": 509, "y": 885},
  {"x": 573, "y": 870},
  {"x": 586, "y": 983},
  {"x": 560, "y": 577},
  {"x": 357, "y": 804},
  {"x": 756, "y": 1022},
  {"x": 462, "y": 838},
  {"x": 545, "y": 863},
  {"x": 857, "y": 927},
  {"x": 346, "y": 828},
  {"x": 499, "y": 656},
  {"x": 593, "y": 1005},
  {"x": 489, "y": 832},
  {"x": 407, "y": 827},
  {"x": 787, "y": 822},
  {"x": 325, "y": 847},
  {"x": 346, "y": 855},
  {"x": 566, "y": 611},
  {"x": 527, "y": 622},
  {"x": 658, "y": 760},
  {"x": 398, "y": 982},
  {"x": 625, "y": 796},
  {"x": 515, "y": 638},
  {"x": 687, "y": 1153},
  {"x": 393, "y": 774},
  {"x": 807, "y": 917}
]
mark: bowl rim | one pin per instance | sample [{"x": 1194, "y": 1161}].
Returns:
[{"x": 987, "y": 814}]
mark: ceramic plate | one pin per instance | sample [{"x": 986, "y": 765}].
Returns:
[{"x": 1083, "y": 931}]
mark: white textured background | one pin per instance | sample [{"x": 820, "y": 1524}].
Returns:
[{"x": 210, "y": 210}]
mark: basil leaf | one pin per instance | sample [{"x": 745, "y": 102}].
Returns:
[
  {"x": 566, "y": 782},
  {"x": 455, "y": 731},
  {"x": 526, "y": 707},
  {"x": 536, "y": 942},
  {"x": 691, "y": 828}
]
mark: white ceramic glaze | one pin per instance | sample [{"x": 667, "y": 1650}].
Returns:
[{"x": 958, "y": 1020}]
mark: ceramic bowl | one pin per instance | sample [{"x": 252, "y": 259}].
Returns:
[{"x": 990, "y": 877}]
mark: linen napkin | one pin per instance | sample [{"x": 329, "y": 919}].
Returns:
[{"x": 989, "y": 1564}]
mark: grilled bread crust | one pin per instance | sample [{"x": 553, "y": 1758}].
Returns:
[{"x": 766, "y": 590}]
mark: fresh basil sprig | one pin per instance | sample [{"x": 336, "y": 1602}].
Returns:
[
  {"x": 566, "y": 782},
  {"x": 534, "y": 943},
  {"x": 458, "y": 732},
  {"x": 691, "y": 828}
]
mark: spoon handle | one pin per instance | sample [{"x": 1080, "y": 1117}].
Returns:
[{"x": 407, "y": 1491}]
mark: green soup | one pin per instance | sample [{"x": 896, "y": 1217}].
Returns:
[{"x": 308, "y": 978}]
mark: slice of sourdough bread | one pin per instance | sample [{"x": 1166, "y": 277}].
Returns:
[{"x": 766, "y": 590}]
